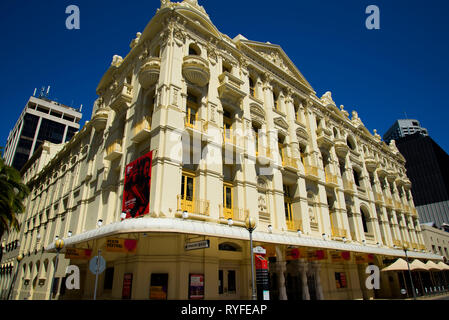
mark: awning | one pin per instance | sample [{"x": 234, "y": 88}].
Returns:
[
  {"x": 417, "y": 265},
  {"x": 176, "y": 225},
  {"x": 443, "y": 266},
  {"x": 433, "y": 266},
  {"x": 398, "y": 265}
]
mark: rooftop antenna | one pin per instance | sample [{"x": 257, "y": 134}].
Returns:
[
  {"x": 48, "y": 91},
  {"x": 405, "y": 115},
  {"x": 34, "y": 94},
  {"x": 81, "y": 108}
]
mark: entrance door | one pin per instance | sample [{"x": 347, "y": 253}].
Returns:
[{"x": 228, "y": 284}]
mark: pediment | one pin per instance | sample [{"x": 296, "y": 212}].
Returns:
[
  {"x": 276, "y": 56},
  {"x": 281, "y": 123},
  {"x": 257, "y": 110}
]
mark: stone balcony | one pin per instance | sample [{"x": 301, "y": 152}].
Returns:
[
  {"x": 331, "y": 179},
  {"x": 294, "y": 225},
  {"x": 149, "y": 72},
  {"x": 290, "y": 163},
  {"x": 229, "y": 88},
  {"x": 196, "y": 70},
  {"x": 114, "y": 150},
  {"x": 100, "y": 119},
  {"x": 311, "y": 172},
  {"x": 348, "y": 186},
  {"x": 237, "y": 215},
  {"x": 121, "y": 98},
  {"x": 142, "y": 130},
  {"x": 341, "y": 147},
  {"x": 371, "y": 163},
  {"x": 324, "y": 137},
  {"x": 195, "y": 208}
]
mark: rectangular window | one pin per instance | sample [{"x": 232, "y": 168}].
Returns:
[{"x": 231, "y": 282}]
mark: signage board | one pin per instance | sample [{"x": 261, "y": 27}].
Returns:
[
  {"x": 121, "y": 245},
  {"x": 197, "y": 245},
  {"x": 78, "y": 254},
  {"x": 259, "y": 250}
]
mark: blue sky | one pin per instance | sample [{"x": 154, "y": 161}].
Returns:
[{"x": 383, "y": 74}]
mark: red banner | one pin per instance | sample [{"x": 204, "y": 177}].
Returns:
[
  {"x": 127, "y": 286},
  {"x": 136, "y": 194}
]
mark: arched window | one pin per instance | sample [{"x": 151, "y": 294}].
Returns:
[
  {"x": 351, "y": 143},
  {"x": 365, "y": 217},
  {"x": 194, "y": 50},
  {"x": 252, "y": 87},
  {"x": 229, "y": 246}
]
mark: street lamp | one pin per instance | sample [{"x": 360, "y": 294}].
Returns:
[
  {"x": 19, "y": 258},
  {"x": 250, "y": 225},
  {"x": 409, "y": 272},
  {"x": 59, "y": 244}
]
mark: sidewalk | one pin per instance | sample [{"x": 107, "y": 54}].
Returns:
[{"x": 440, "y": 296}]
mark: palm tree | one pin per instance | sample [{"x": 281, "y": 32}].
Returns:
[{"x": 12, "y": 194}]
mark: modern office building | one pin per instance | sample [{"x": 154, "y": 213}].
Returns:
[
  {"x": 41, "y": 120},
  {"x": 402, "y": 128},
  {"x": 194, "y": 136},
  {"x": 427, "y": 167}
]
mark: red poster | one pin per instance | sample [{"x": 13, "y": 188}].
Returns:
[
  {"x": 136, "y": 194},
  {"x": 196, "y": 287},
  {"x": 127, "y": 286}
]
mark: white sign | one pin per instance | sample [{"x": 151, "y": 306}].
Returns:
[
  {"x": 259, "y": 250},
  {"x": 198, "y": 245}
]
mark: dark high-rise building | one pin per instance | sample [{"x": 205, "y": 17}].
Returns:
[
  {"x": 402, "y": 128},
  {"x": 427, "y": 167},
  {"x": 41, "y": 120}
]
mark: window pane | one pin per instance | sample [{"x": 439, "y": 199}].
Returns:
[
  {"x": 231, "y": 281},
  {"x": 189, "y": 191},
  {"x": 228, "y": 197}
]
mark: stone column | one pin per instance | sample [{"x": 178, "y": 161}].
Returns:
[
  {"x": 319, "y": 289},
  {"x": 280, "y": 270},
  {"x": 302, "y": 267}
]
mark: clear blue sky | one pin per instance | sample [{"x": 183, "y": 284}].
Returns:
[{"x": 403, "y": 67}]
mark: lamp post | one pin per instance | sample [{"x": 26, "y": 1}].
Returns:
[
  {"x": 409, "y": 272},
  {"x": 250, "y": 225},
  {"x": 59, "y": 244},
  {"x": 19, "y": 258}
]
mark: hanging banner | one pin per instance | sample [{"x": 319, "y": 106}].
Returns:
[
  {"x": 127, "y": 286},
  {"x": 364, "y": 258},
  {"x": 121, "y": 245},
  {"x": 136, "y": 193},
  {"x": 78, "y": 254},
  {"x": 196, "y": 287},
  {"x": 340, "y": 256},
  {"x": 294, "y": 254},
  {"x": 313, "y": 255}
]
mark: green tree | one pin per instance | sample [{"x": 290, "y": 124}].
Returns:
[{"x": 12, "y": 195}]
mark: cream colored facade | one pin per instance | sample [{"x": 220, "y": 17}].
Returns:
[
  {"x": 436, "y": 240},
  {"x": 236, "y": 120}
]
